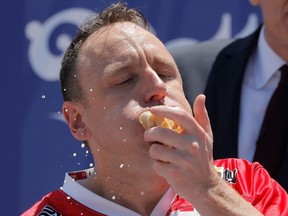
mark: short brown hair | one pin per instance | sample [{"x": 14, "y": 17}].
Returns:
[{"x": 118, "y": 12}]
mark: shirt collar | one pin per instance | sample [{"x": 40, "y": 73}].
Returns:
[
  {"x": 74, "y": 186},
  {"x": 267, "y": 62}
]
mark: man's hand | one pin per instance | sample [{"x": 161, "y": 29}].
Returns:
[{"x": 185, "y": 160}]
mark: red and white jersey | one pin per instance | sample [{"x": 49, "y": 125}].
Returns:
[{"x": 251, "y": 180}]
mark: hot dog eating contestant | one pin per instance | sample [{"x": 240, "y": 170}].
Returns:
[{"x": 152, "y": 150}]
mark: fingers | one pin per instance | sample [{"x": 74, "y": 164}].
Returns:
[
  {"x": 198, "y": 125},
  {"x": 183, "y": 159},
  {"x": 165, "y": 136},
  {"x": 196, "y": 129},
  {"x": 170, "y": 154},
  {"x": 161, "y": 153},
  {"x": 182, "y": 117},
  {"x": 201, "y": 114}
]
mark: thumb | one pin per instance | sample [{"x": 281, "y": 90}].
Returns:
[{"x": 201, "y": 114}]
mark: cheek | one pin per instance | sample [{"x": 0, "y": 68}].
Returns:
[
  {"x": 109, "y": 126},
  {"x": 178, "y": 95}
]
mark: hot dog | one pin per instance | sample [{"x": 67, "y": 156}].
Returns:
[{"x": 148, "y": 120}]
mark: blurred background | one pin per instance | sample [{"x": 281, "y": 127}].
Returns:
[{"x": 36, "y": 145}]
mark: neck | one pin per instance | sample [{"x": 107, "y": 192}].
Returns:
[{"x": 140, "y": 192}]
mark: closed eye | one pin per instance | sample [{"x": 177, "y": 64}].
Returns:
[
  {"x": 126, "y": 81},
  {"x": 166, "y": 77}
]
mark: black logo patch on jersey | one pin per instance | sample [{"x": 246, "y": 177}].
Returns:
[
  {"x": 230, "y": 176},
  {"x": 49, "y": 211}
]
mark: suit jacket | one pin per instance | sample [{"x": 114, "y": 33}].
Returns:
[{"x": 223, "y": 91}]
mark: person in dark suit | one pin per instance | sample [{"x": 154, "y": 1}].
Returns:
[{"x": 243, "y": 78}]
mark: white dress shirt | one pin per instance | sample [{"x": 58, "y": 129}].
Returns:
[{"x": 260, "y": 80}]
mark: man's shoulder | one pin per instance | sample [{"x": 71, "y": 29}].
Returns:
[
  {"x": 241, "y": 164},
  {"x": 244, "y": 44},
  {"x": 58, "y": 203},
  {"x": 46, "y": 205},
  {"x": 254, "y": 184},
  {"x": 236, "y": 171}
]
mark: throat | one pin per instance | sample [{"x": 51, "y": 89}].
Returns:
[{"x": 141, "y": 198}]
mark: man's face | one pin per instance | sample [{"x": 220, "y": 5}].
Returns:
[
  {"x": 275, "y": 16},
  {"x": 123, "y": 69}
]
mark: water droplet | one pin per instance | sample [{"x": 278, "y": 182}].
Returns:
[
  {"x": 91, "y": 90},
  {"x": 83, "y": 145},
  {"x": 91, "y": 164},
  {"x": 64, "y": 89},
  {"x": 74, "y": 154},
  {"x": 68, "y": 197},
  {"x": 113, "y": 197},
  {"x": 121, "y": 166},
  {"x": 43, "y": 96},
  {"x": 87, "y": 151},
  {"x": 142, "y": 193},
  {"x": 120, "y": 128},
  {"x": 124, "y": 140},
  {"x": 75, "y": 75}
]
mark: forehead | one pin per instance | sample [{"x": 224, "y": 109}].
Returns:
[
  {"x": 120, "y": 42},
  {"x": 118, "y": 33}
]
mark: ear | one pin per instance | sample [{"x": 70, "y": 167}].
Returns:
[
  {"x": 73, "y": 114},
  {"x": 255, "y": 2}
]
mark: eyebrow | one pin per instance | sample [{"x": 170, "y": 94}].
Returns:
[
  {"x": 111, "y": 70},
  {"x": 116, "y": 67},
  {"x": 160, "y": 60}
]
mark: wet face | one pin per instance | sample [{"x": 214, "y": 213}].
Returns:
[
  {"x": 275, "y": 16},
  {"x": 123, "y": 69}
]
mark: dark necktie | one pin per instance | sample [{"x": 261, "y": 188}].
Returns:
[{"x": 272, "y": 141}]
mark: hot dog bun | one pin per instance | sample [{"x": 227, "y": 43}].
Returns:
[{"x": 148, "y": 120}]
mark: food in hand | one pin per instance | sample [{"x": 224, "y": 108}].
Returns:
[{"x": 148, "y": 120}]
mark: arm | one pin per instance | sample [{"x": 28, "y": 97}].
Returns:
[
  {"x": 223, "y": 200},
  {"x": 186, "y": 162}
]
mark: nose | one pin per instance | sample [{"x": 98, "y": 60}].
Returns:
[{"x": 156, "y": 89}]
